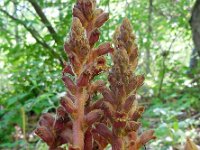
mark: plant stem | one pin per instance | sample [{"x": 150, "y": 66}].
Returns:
[
  {"x": 23, "y": 115},
  {"x": 163, "y": 76},
  {"x": 78, "y": 133}
]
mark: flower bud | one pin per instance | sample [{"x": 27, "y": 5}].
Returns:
[
  {"x": 46, "y": 120},
  {"x": 88, "y": 8},
  {"x": 77, "y": 13},
  {"x": 45, "y": 135},
  {"x": 69, "y": 84},
  {"x": 102, "y": 50},
  {"x": 104, "y": 131},
  {"x": 95, "y": 86},
  {"x": 94, "y": 37},
  {"x": 88, "y": 140},
  {"x": 144, "y": 138},
  {"x": 97, "y": 12},
  {"x": 128, "y": 103},
  {"x": 107, "y": 94},
  {"x": 100, "y": 141},
  {"x": 68, "y": 104},
  {"x": 140, "y": 80},
  {"x": 101, "y": 19},
  {"x": 93, "y": 116},
  {"x": 61, "y": 112},
  {"x": 108, "y": 109},
  {"x": 77, "y": 29},
  {"x": 83, "y": 80}
]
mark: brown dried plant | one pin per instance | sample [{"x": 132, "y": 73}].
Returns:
[{"x": 81, "y": 122}]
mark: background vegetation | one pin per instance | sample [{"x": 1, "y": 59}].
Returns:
[{"x": 32, "y": 33}]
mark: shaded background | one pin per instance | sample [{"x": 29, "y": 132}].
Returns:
[{"x": 32, "y": 33}]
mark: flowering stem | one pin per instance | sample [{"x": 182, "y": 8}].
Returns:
[{"x": 78, "y": 133}]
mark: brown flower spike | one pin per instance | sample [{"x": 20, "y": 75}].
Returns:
[
  {"x": 81, "y": 122},
  {"x": 120, "y": 104}
]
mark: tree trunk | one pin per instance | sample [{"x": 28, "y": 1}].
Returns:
[
  {"x": 148, "y": 54},
  {"x": 195, "y": 27},
  {"x": 16, "y": 26}
]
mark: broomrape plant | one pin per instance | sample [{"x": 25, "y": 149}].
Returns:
[{"x": 81, "y": 122}]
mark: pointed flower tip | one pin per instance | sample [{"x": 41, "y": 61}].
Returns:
[
  {"x": 140, "y": 80},
  {"x": 93, "y": 116},
  {"x": 101, "y": 19},
  {"x": 76, "y": 23},
  {"x": 94, "y": 37},
  {"x": 126, "y": 20},
  {"x": 46, "y": 120},
  {"x": 147, "y": 136},
  {"x": 75, "y": 20},
  {"x": 84, "y": 79},
  {"x": 126, "y": 23},
  {"x": 68, "y": 105},
  {"x": 45, "y": 135},
  {"x": 60, "y": 111}
]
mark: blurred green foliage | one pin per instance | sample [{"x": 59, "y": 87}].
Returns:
[{"x": 30, "y": 74}]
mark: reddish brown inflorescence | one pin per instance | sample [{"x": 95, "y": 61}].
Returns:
[
  {"x": 81, "y": 122},
  {"x": 120, "y": 105}
]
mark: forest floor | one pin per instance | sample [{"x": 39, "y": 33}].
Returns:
[{"x": 173, "y": 121}]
